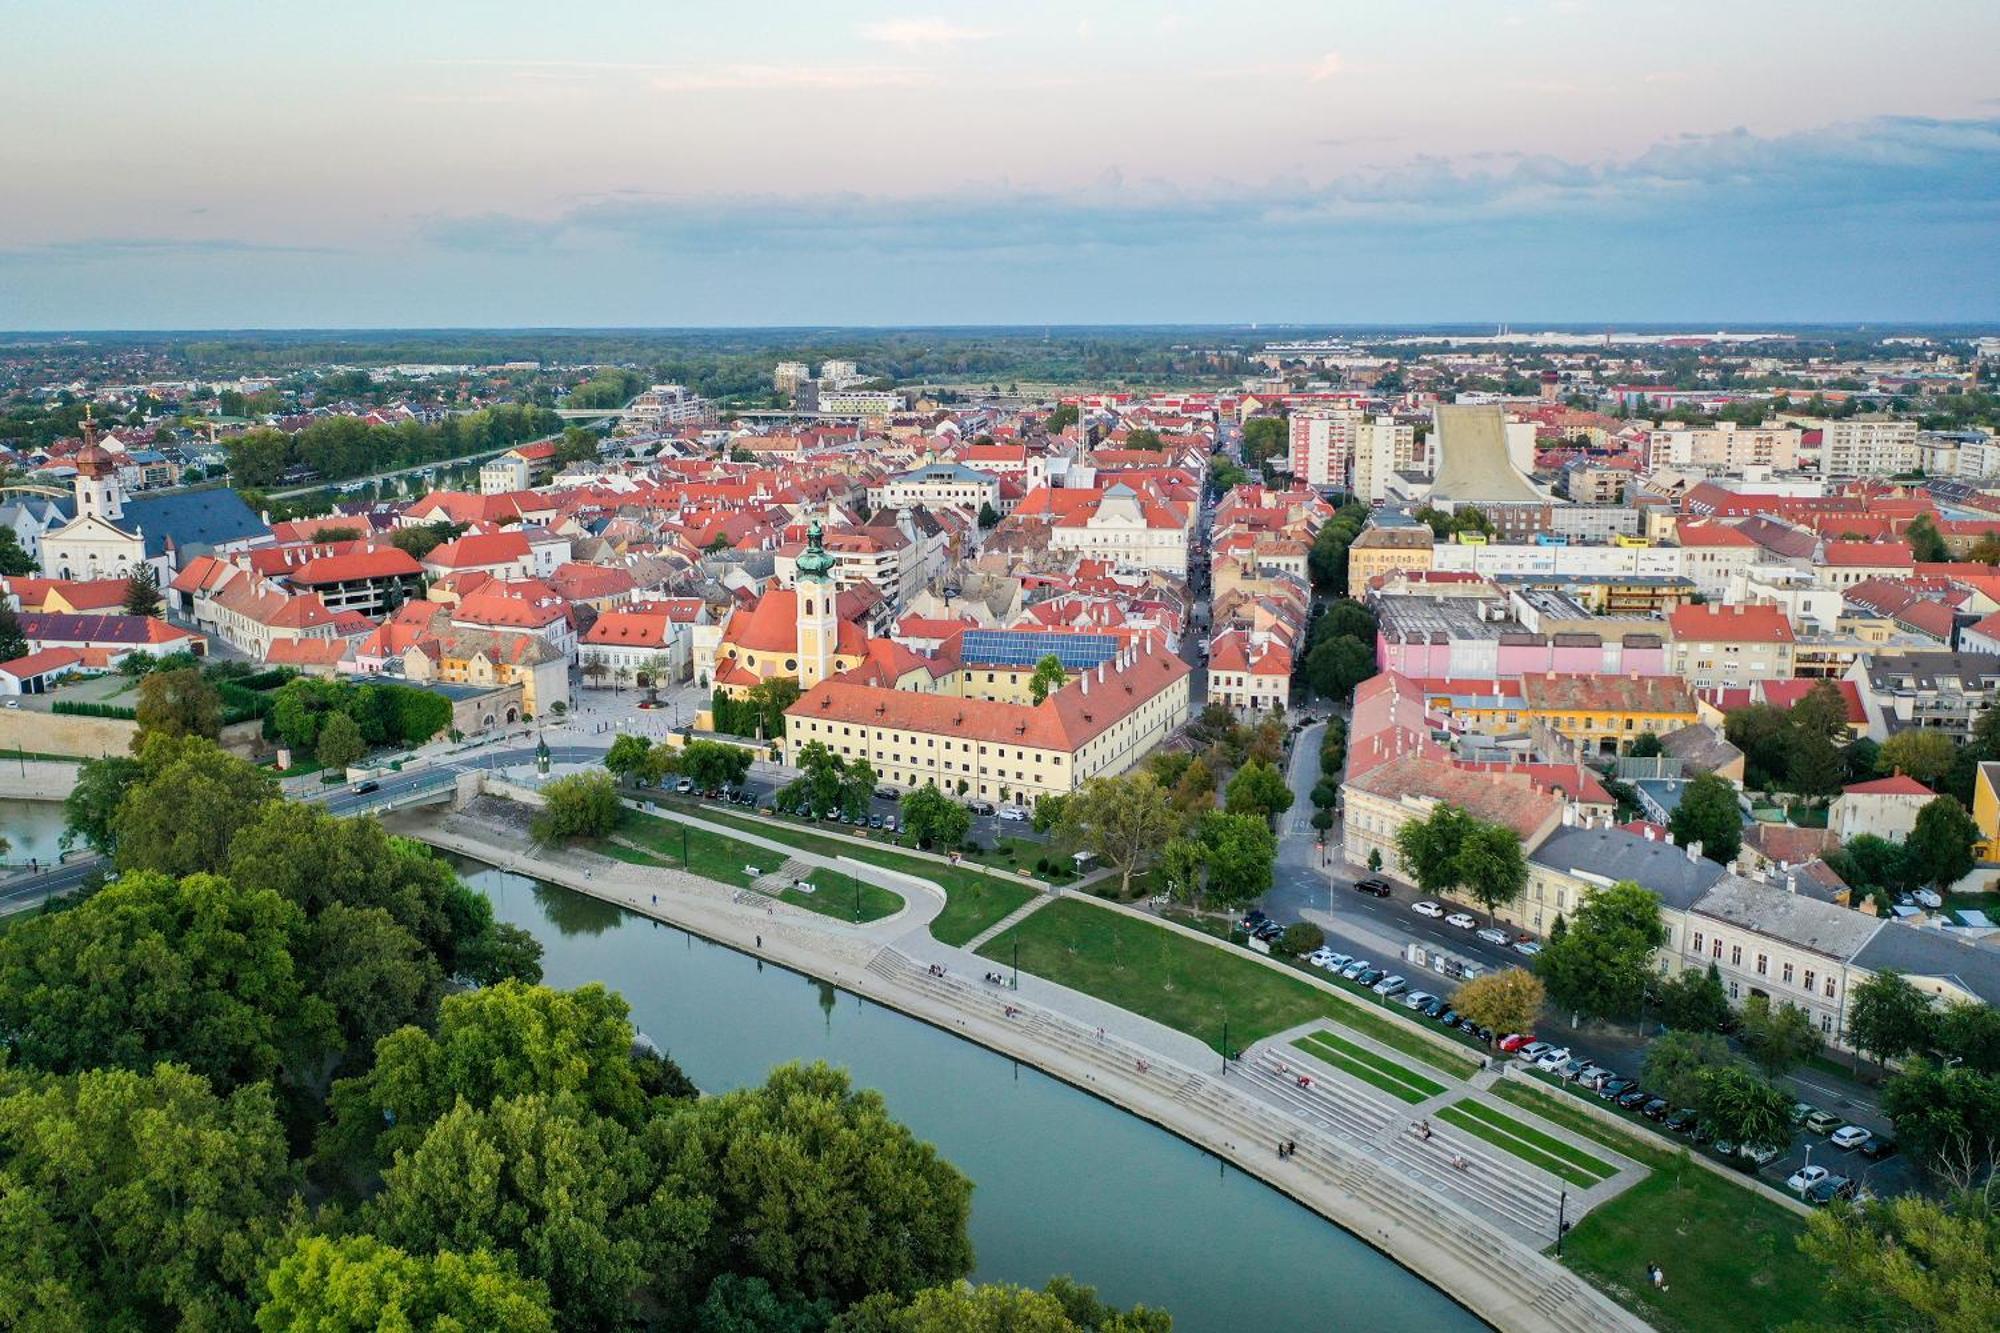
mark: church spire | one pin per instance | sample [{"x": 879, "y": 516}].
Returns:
[{"x": 814, "y": 562}]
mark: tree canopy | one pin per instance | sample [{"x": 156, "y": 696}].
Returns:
[{"x": 1601, "y": 963}]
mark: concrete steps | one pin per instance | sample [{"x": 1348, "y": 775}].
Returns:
[{"x": 1006, "y": 923}]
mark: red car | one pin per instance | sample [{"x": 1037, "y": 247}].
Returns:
[{"x": 1514, "y": 1041}]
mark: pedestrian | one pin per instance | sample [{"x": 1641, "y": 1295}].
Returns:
[{"x": 760, "y": 941}]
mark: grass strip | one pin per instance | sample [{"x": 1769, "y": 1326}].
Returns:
[
  {"x": 836, "y": 897},
  {"x": 1397, "y": 1033},
  {"x": 710, "y": 855},
  {"x": 1731, "y": 1255},
  {"x": 1366, "y": 1073},
  {"x": 974, "y": 899},
  {"x": 1507, "y": 1143},
  {"x": 1417, "y": 1082},
  {"x": 1555, "y": 1147}
]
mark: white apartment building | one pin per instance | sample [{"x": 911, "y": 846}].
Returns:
[
  {"x": 1868, "y": 448},
  {"x": 789, "y": 375},
  {"x": 1382, "y": 448},
  {"x": 938, "y": 486},
  {"x": 857, "y": 402},
  {"x": 1725, "y": 447},
  {"x": 833, "y": 374},
  {"x": 1595, "y": 561},
  {"x": 503, "y": 475},
  {"x": 671, "y": 405},
  {"x": 1331, "y": 446}
]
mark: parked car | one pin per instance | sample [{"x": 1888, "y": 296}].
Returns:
[
  {"x": 1391, "y": 987},
  {"x": 1460, "y": 920},
  {"x": 1533, "y": 1051},
  {"x": 1876, "y": 1148},
  {"x": 980, "y": 807},
  {"x": 1334, "y": 962},
  {"x": 1760, "y": 1154},
  {"x": 1596, "y": 1078},
  {"x": 1448, "y": 1016},
  {"x": 1354, "y": 968},
  {"x": 1632, "y": 1098},
  {"x": 1269, "y": 931},
  {"x": 1614, "y": 1088},
  {"x": 1655, "y": 1109},
  {"x": 1829, "y": 1189},
  {"x": 888, "y": 794},
  {"x": 1527, "y": 948},
  {"x": 1822, "y": 1122},
  {"x": 684, "y": 786},
  {"x": 1514, "y": 1041},
  {"x": 874, "y": 821},
  {"x": 1571, "y": 1068},
  {"x": 1928, "y": 898},
  {"x": 1416, "y": 999},
  {"x": 889, "y": 823},
  {"x": 1493, "y": 935},
  {"x": 1432, "y": 1007},
  {"x": 1848, "y": 1137},
  {"x": 1427, "y": 908},
  {"x": 1683, "y": 1120},
  {"x": 1371, "y": 976},
  {"x": 1373, "y": 887},
  {"x": 1800, "y": 1110},
  {"x": 1551, "y": 1060},
  {"x": 1318, "y": 957}
]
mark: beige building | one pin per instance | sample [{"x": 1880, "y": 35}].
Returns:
[
  {"x": 1886, "y": 807},
  {"x": 1100, "y": 723},
  {"x": 1868, "y": 447},
  {"x": 1379, "y": 551},
  {"x": 1380, "y": 801}
]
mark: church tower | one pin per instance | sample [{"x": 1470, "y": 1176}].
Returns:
[
  {"x": 98, "y": 494},
  {"x": 819, "y": 626}
]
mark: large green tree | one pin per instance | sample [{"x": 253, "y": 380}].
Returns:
[
  {"x": 1779, "y": 1037},
  {"x": 935, "y": 820},
  {"x": 1948, "y": 1119},
  {"x": 582, "y": 805},
  {"x": 185, "y": 811},
  {"x": 815, "y": 1189},
  {"x": 1939, "y": 847},
  {"x": 628, "y": 757},
  {"x": 1675, "y": 1063},
  {"x": 1911, "y": 1262},
  {"x": 133, "y": 1200},
  {"x": 357, "y": 1284},
  {"x": 1739, "y": 1106},
  {"x": 1924, "y": 755},
  {"x": 92, "y": 804},
  {"x": 1241, "y": 852},
  {"x": 1888, "y": 1017},
  {"x": 1429, "y": 847},
  {"x": 1049, "y": 675},
  {"x": 1258, "y": 789},
  {"x": 1490, "y": 865},
  {"x": 1123, "y": 820},
  {"x": 1600, "y": 965},
  {"x": 1694, "y": 1000},
  {"x": 197, "y": 970},
  {"x": 1708, "y": 814},
  {"x": 177, "y": 703}
]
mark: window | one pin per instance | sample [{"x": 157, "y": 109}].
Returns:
[
  {"x": 1763, "y": 965},
  {"x": 1829, "y": 988},
  {"x": 1788, "y": 974},
  {"x": 1809, "y": 978},
  {"x": 1736, "y": 955},
  {"x": 1732, "y": 990},
  {"x": 1717, "y": 948},
  {"x": 1826, "y": 1023},
  {"x": 1697, "y": 937}
]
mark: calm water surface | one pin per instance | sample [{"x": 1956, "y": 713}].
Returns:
[
  {"x": 1065, "y": 1183},
  {"x": 32, "y": 828}
]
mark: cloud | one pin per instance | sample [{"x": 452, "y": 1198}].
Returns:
[
  {"x": 826, "y": 78},
  {"x": 1920, "y": 172},
  {"x": 1325, "y": 67},
  {"x": 93, "y": 248},
  {"x": 923, "y": 32}
]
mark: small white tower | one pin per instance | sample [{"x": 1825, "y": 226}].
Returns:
[
  {"x": 98, "y": 494},
  {"x": 819, "y": 625}
]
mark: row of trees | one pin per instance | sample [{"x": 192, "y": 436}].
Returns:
[
  {"x": 304, "y": 709},
  {"x": 1327, "y": 561},
  {"x": 1451, "y": 850},
  {"x": 346, "y": 446},
  {"x": 761, "y": 710},
  {"x": 1340, "y": 650}
]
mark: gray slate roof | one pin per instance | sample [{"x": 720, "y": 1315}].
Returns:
[
  {"x": 198, "y": 521},
  {"x": 1614, "y": 854},
  {"x": 1795, "y": 918},
  {"x": 1919, "y": 952}
]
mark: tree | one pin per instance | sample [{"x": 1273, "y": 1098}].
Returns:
[
  {"x": 375, "y": 975},
  {"x": 1708, "y": 814},
  {"x": 1971, "y": 1032},
  {"x": 1047, "y": 814},
  {"x": 1337, "y": 665},
  {"x": 1694, "y": 1001},
  {"x": 1258, "y": 789},
  {"x": 582, "y": 805},
  {"x": 629, "y": 757},
  {"x": 89, "y": 808},
  {"x": 1822, "y": 713},
  {"x": 1815, "y": 767},
  {"x": 1242, "y": 853},
  {"x": 573, "y": 1048},
  {"x": 1049, "y": 675},
  {"x": 13, "y": 643},
  {"x": 934, "y": 819},
  {"x": 989, "y": 517},
  {"x": 1926, "y": 543},
  {"x": 1645, "y": 745},
  {"x": 1142, "y": 438},
  {"x": 355, "y": 1284},
  {"x": 136, "y": 1199},
  {"x": 1939, "y": 847},
  {"x": 1922, "y": 754},
  {"x": 195, "y": 970},
  {"x": 14, "y": 559},
  {"x": 1676, "y": 1062},
  {"x": 569, "y": 1197},
  {"x": 1911, "y": 1262},
  {"x": 1510, "y": 1000},
  {"x": 1490, "y": 865},
  {"x": 712, "y": 764},
  {"x": 816, "y": 1190},
  {"x": 187, "y": 807},
  {"x": 1601, "y": 962},
  {"x": 1429, "y": 847},
  {"x": 1889, "y": 1018},
  {"x": 142, "y": 592},
  {"x": 1947, "y": 1119},
  {"x": 1873, "y": 865},
  {"x": 1182, "y": 862},
  {"x": 1779, "y": 1037},
  {"x": 1195, "y": 789},
  {"x": 340, "y": 742},
  {"x": 177, "y": 703},
  {"x": 1738, "y": 1106},
  {"x": 1123, "y": 820},
  {"x": 1061, "y": 1307},
  {"x": 1300, "y": 938}
]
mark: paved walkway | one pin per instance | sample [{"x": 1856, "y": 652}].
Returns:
[
  {"x": 1008, "y": 922},
  {"x": 1164, "y": 1076}
]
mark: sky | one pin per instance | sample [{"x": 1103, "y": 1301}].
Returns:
[{"x": 445, "y": 163}]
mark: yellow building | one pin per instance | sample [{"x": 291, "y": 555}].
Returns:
[
  {"x": 1100, "y": 723},
  {"x": 1986, "y": 810},
  {"x": 809, "y": 632},
  {"x": 1380, "y": 551},
  {"x": 1604, "y": 714}
]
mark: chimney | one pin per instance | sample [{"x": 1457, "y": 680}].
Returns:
[
  {"x": 1650, "y": 836},
  {"x": 1086, "y": 682},
  {"x": 1694, "y": 850},
  {"x": 1791, "y": 884}
]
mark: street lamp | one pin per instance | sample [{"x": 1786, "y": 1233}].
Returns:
[
  {"x": 1225, "y": 1043},
  {"x": 1562, "y": 1207}
]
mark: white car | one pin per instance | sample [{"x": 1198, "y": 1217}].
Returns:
[
  {"x": 1805, "y": 1178},
  {"x": 1848, "y": 1137},
  {"x": 1391, "y": 986},
  {"x": 1335, "y": 961},
  {"x": 1928, "y": 898},
  {"x": 1427, "y": 909},
  {"x": 1014, "y": 814},
  {"x": 1532, "y": 1052},
  {"x": 1493, "y": 935},
  {"x": 1461, "y": 920},
  {"x": 1416, "y": 999},
  {"x": 1550, "y": 1061},
  {"x": 1320, "y": 957}
]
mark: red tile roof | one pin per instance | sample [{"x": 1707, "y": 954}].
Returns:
[
  {"x": 1899, "y": 785},
  {"x": 1731, "y": 624}
]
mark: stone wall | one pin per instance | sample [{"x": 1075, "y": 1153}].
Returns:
[
  {"x": 36, "y": 779},
  {"x": 95, "y": 737}
]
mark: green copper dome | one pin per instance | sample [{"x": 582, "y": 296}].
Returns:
[{"x": 814, "y": 562}]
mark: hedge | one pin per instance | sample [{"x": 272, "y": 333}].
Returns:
[{"x": 75, "y": 709}]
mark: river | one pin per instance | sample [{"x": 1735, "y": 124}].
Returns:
[
  {"x": 32, "y": 828},
  {"x": 1065, "y": 1183}
]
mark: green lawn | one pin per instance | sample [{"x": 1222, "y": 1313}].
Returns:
[
  {"x": 1731, "y": 1256},
  {"x": 1507, "y": 1143},
  {"x": 710, "y": 855},
  {"x": 835, "y": 896},
  {"x": 1188, "y": 984},
  {"x": 974, "y": 899},
  {"x": 1411, "y": 1086},
  {"x": 1220, "y": 927},
  {"x": 1547, "y": 1143},
  {"x": 1366, "y": 1073}
]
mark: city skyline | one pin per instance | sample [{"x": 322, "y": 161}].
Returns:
[{"x": 1540, "y": 162}]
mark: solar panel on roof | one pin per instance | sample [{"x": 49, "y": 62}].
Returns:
[{"x": 1024, "y": 648}]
